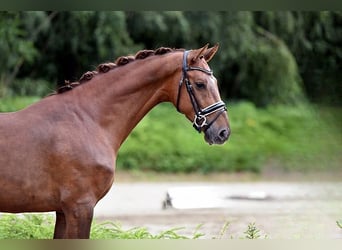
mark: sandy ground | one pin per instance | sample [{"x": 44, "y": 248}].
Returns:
[{"x": 281, "y": 210}]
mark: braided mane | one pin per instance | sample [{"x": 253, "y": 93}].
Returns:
[{"x": 105, "y": 67}]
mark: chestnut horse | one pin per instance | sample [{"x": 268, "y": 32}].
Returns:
[{"x": 59, "y": 154}]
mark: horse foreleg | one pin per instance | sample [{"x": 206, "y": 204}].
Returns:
[
  {"x": 78, "y": 221},
  {"x": 60, "y": 226}
]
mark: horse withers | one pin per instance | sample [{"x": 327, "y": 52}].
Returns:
[{"x": 59, "y": 154}]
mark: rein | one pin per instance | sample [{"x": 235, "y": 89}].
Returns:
[{"x": 200, "y": 119}]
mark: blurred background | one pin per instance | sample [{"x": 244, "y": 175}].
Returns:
[{"x": 279, "y": 72}]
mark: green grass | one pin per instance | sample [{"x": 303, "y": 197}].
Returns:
[
  {"x": 37, "y": 226},
  {"x": 300, "y": 138},
  {"x": 252, "y": 232},
  {"x": 339, "y": 223},
  {"x": 110, "y": 230},
  {"x": 15, "y": 103},
  {"x": 27, "y": 226},
  {"x": 41, "y": 226}
]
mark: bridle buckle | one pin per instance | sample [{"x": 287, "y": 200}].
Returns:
[{"x": 200, "y": 121}]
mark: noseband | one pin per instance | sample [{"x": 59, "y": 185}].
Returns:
[{"x": 200, "y": 120}]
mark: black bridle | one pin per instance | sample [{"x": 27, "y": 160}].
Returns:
[{"x": 200, "y": 119}]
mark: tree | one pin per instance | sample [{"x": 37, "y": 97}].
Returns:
[
  {"x": 154, "y": 29},
  {"x": 255, "y": 64},
  {"x": 267, "y": 57},
  {"x": 315, "y": 40},
  {"x": 15, "y": 48},
  {"x": 78, "y": 41}
]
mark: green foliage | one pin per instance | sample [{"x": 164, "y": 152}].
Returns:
[
  {"x": 298, "y": 138},
  {"x": 10, "y": 104},
  {"x": 203, "y": 28},
  {"x": 314, "y": 38},
  {"x": 252, "y": 232},
  {"x": 223, "y": 230},
  {"x": 110, "y": 230},
  {"x": 13, "y": 44},
  {"x": 30, "y": 87},
  {"x": 78, "y": 41},
  {"x": 339, "y": 223},
  {"x": 271, "y": 74},
  {"x": 38, "y": 226},
  {"x": 14, "y": 48},
  {"x": 155, "y": 29},
  {"x": 26, "y": 226},
  {"x": 266, "y": 57},
  {"x": 41, "y": 226},
  {"x": 252, "y": 63}
]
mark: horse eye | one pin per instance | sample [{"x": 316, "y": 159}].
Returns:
[{"x": 200, "y": 85}]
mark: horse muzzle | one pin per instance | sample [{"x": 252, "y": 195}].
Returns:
[{"x": 216, "y": 136}]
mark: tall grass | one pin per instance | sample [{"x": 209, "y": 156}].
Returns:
[
  {"x": 339, "y": 223},
  {"x": 27, "y": 226},
  {"x": 38, "y": 226},
  {"x": 110, "y": 230},
  {"x": 41, "y": 226}
]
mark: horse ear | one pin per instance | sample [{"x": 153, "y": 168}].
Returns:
[
  {"x": 209, "y": 54},
  {"x": 199, "y": 53}
]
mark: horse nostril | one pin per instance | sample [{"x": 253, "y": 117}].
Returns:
[{"x": 224, "y": 134}]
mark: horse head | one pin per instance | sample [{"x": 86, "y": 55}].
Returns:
[{"x": 199, "y": 98}]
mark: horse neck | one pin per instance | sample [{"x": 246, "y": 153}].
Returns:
[{"x": 119, "y": 99}]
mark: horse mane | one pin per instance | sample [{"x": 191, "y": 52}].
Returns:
[{"x": 119, "y": 62}]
